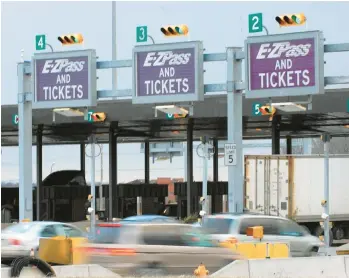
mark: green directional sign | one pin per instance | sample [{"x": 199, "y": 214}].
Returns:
[
  {"x": 169, "y": 116},
  {"x": 40, "y": 42},
  {"x": 348, "y": 105},
  {"x": 255, "y": 109},
  {"x": 255, "y": 23},
  {"x": 15, "y": 119},
  {"x": 142, "y": 33},
  {"x": 89, "y": 116}
]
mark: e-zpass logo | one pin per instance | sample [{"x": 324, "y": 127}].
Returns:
[
  {"x": 160, "y": 58},
  {"x": 62, "y": 65},
  {"x": 279, "y": 49}
]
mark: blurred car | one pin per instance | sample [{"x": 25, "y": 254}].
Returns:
[
  {"x": 144, "y": 249},
  {"x": 276, "y": 229},
  {"x": 19, "y": 239}
]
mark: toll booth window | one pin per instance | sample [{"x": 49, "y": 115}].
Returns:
[
  {"x": 215, "y": 225},
  {"x": 71, "y": 232},
  {"x": 49, "y": 231}
]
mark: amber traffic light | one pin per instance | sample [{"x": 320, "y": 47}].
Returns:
[
  {"x": 179, "y": 116},
  {"x": 267, "y": 110},
  {"x": 175, "y": 30},
  {"x": 291, "y": 20},
  {"x": 99, "y": 117},
  {"x": 71, "y": 39}
]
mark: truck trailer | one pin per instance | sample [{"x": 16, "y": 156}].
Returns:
[{"x": 293, "y": 187}]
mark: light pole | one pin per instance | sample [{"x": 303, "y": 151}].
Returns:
[{"x": 53, "y": 163}]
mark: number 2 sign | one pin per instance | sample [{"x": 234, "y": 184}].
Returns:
[{"x": 255, "y": 23}]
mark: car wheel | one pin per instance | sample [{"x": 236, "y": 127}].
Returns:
[
  {"x": 338, "y": 233},
  {"x": 151, "y": 269},
  {"x": 314, "y": 252}
]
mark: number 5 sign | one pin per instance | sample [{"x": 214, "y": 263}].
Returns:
[
  {"x": 230, "y": 154},
  {"x": 255, "y": 109},
  {"x": 255, "y": 23}
]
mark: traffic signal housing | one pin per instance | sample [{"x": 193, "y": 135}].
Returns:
[
  {"x": 175, "y": 30},
  {"x": 179, "y": 116},
  {"x": 99, "y": 117},
  {"x": 267, "y": 110},
  {"x": 71, "y": 39},
  {"x": 291, "y": 20}
]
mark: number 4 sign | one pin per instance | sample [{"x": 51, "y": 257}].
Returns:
[
  {"x": 255, "y": 23},
  {"x": 40, "y": 42},
  {"x": 230, "y": 154}
]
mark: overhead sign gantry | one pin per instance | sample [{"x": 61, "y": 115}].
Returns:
[{"x": 173, "y": 74}]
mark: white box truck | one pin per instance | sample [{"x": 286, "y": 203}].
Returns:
[{"x": 293, "y": 187}]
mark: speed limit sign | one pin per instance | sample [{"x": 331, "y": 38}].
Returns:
[{"x": 230, "y": 154}]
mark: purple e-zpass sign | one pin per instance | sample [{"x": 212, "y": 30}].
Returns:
[
  {"x": 166, "y": 73},
  {"x": 64, "y": 80},
  {"x": 284, "y": 65}
]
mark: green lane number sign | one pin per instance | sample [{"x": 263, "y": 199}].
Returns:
[
  {"x": 40, "y": 42},
  {"x": 255, "y": 23},
  {"x": 255, "y": 109},
  {"x": 142, "y": 33},
  {"x": 15, "y": 119},
  {"x": 89, "y": 116}
]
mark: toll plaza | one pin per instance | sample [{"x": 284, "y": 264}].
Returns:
[
  {"x": 283, "y": 93},
  {"x": 210, "y": 119}
]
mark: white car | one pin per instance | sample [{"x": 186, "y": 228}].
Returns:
[
  {"x": 276, "y": 229},
  {"x": 20, "y": 239}
]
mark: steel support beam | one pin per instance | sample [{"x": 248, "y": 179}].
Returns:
[
  {"x": 288, "y": 145},
  {"x": 146, "y": 162},
  {"x": 113, "y": 170},
  {"x": 234, "y": 112},
  {"x": 25, "y": 134},
  {"x": 275, "y": 134},
  {"x": 189, "y": 166},
  {"x": 82, "y": 157},
  {"x": 326, "y": 201},
  {"x": 215, "y": 161},
  {"x": 38, "y": 169}
]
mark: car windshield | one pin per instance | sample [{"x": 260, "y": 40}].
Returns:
[
  {"x": 20, "y": 228},
  {"x": 216, "y": 225}
]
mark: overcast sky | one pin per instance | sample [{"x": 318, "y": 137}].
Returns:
[{"x": 217, "y": 24}]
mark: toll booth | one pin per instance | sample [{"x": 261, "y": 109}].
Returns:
[
  {"x": 214, "y": 189},
  {"x": 125, "y": 198}
]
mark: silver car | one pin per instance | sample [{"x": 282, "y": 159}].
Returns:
[
  {"x": 149, "y": 249},
  {"x": 276, "y": 229},
  {"x": 20, "y": 239}
]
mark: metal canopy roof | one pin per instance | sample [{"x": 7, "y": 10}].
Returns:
[{"x": 135, "y": 123}]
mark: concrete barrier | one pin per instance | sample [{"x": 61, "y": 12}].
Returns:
[
  {"x": 311, "y": 267},
  {"x": 66, "y": 271}
]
